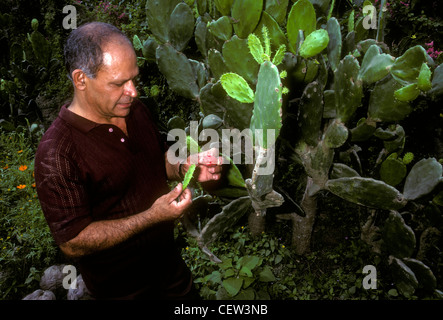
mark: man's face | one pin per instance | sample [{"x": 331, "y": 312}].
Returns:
[{"x": 111, "y": 92}]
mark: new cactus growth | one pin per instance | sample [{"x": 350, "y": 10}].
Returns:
[
  {"x": 314, "y": 43},
  {"x": 188, "y": 176}
]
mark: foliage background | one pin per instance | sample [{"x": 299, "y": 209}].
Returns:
[{"x": 32, "y": 92}]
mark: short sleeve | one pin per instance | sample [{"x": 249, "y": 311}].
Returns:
[{"x": 62, "y": 193}]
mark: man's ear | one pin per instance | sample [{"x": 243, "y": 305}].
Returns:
[{"x": 79, "y": 79}]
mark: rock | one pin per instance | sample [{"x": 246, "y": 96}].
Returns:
[{"x": 40, "y": 294}]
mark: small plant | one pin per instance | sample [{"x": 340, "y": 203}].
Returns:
[{"x": 26, "y": 245}]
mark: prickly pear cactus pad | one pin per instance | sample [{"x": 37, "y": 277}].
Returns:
[
  {"x": 188, "y": 176},
  {"x": 301, "y": 17},
  {"x": 423, "y": 178},
  {"x": 368, "y": 192},
  {"x": 314, "y": 43},
  {"x": 268, "y": 101},
  {"x": 375, "y": 65}
]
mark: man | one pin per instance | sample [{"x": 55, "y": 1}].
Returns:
[{"x": 101, "y": 172}]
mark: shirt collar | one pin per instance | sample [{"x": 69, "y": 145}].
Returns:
[{"x": 81, "y": 123}]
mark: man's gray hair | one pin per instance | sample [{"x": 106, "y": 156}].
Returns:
[{"x": 84, "y": 47}]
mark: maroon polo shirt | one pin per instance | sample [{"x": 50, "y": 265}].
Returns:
[{"x": 88, "y": 172}]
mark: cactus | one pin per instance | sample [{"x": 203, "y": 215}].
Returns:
[
  {"x": 368, "y": 192},
  {"x": 392, "y": 170},
  {"x": 335, "y": 42},
  {"x": 398, "y": 236},
  {"x": 221, "y": 28},
  {"x": 239, "y": 59},
  {"x": 314, "y": 43},
  {"x": 247, "y": 14},
  {"x": 178, "y": 71},
  {"x": 424, "y": 78},
  {"x": 170, "y": 21},
  {"x": 40, "y": 46},
  {"x": 301, "y": 17},
  {"x": 375, "y": 65},
  {"x": 424, "y": 176},
  {"x": 406, "y": 68},
  {"x": 348, "y": 88}
]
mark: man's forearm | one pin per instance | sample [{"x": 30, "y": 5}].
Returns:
[{"x": 102, "y": 235}]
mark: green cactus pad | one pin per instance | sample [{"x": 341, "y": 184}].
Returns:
[
  {"x": 301, "y": 17},
  {"x": 392, "y": 171},
  {"x": 348, "y": 88},
  {"x": 188, "y": 176},
  {"x": 215, "y": 100},
  {"x": 335, "y": 42},
  {"x": 424, "y": 176},
  {"x": 247, "y": 13},
  {"x": 181, "y": 26},
  {"x": 364, "y": 130},
  {"x": 178, "y": 71},
  {"x": 404, "y": 278},
  {"x": 424, "y": 78},
  {"x": 407, "y": 93},
  {"x": 437, "y": 82},
  {"x": 276, "y": 35},
  {"x": 406, "y": 68},
  {"x": 310, "y": 114},
  {"x": 149, "y": 48},
  {"x": 375, "y": 65},
  {"x": 217, "y": 64},
  {"x": 398, "y": 236},
  {"x": 237, "y": 87},
  {"x": 426, "y": 279},
  {"x": 367, "y": 192},
  {"x": 158, "y": 15},
  {"x": 239, "y": 60},
  {"x": 224, "y": 6},
  {"x": 398, "y": 143},
  {"x": 221, "y": 28},
  {"x": 341, "y": 170},
  {"x": 224, "y": 220},
  {"x": 382, "y": 104},
  {"x": 314, "y": 43},
  {"x": 336, "y": 134},
  {"x": 41, "y": 48},
  {"x": 256, "y": 48},
  {"x": 277, "y": 9},
  {"x": 267, "y": 112}
]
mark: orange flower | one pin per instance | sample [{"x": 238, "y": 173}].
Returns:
[
  {"x": 6, "y": 167},
  {"x": 21, "y": 186},
  {"x": 20, "y": 151},
  {"x": 23, "y": 168},
  {"x": 33, "y": 185}
]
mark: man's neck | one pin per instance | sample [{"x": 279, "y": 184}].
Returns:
[{"x": 76, "y": 108}]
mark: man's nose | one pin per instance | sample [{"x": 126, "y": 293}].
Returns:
[{"x": 130, "y": 89}]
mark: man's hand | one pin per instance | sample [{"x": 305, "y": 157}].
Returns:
[
  {"x": 209, "y": 166},
  {"x": 172, "y": 205}
]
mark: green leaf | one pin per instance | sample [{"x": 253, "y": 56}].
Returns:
[
  {"x": 232, "y": 285},
  {"x": 266, "y": 275},
  {"x": 188, "y": 175}
]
